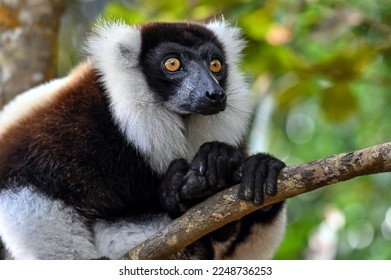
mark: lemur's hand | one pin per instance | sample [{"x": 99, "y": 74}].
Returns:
[
  {"x": 259, "y": 177},
  {"x": 217, "y": 166},
  {"x": 214, "y": 167},
  {"x": 171, "y": 187}
]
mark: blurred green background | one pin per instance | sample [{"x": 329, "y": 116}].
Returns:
[{"x": 320, "y": 71}]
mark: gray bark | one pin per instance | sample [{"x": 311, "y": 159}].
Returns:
[{"x": 28, "y": 44}]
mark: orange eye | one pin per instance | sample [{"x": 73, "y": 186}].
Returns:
[
  {"x": 172, "y": 64},
  {"x": 215, "y": 66}
]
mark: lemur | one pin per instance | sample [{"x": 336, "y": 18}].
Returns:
[{"x": 153, "y": 122}]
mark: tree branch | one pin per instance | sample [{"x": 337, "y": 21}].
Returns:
[{"x": 225, "y": 206}]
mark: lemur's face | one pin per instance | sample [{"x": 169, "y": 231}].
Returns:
[{"x": 185, "y": 66}]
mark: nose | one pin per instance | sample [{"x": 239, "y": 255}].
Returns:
[{"x": 218, "y": 98}]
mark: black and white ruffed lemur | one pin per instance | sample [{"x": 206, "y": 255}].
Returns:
[{"x": 150, "y": 124}]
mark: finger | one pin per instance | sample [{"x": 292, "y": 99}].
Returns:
[
  {"x": 237, "y": 174},
  {"x": 258, "y": 183},
  {"x": 170, "y": 188},
  {"x": 246, "y": 186},
  {"x": 211, "y": 173},
  {"x": 275, "y": 166},
  {"x": 200, "y": 162},
  {"x": 178, "y": 166},
  {"x": 194, "y": 187},
  {"x": 221, "y": 170}
]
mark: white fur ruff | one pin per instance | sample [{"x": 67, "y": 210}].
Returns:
[{"x": 159, "y": 134}]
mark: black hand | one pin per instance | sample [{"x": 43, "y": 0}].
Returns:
[
  {"x": 212, "y": 169},
  {"x": 259, "y": 177},
  {"x": 171, "y": 186}
]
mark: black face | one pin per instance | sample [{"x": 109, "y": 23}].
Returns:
[{"x": 185, "y": 66}]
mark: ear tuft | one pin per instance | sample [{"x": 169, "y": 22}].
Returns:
[
  {"x": 112, "y": 43},
  {"x": 231, "y": 37}
]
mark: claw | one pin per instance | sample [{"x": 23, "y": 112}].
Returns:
[
  {"x": 202, "y": 169},
  {"x": 245, "y": 192},
  {"x": 271, "y": 189}
]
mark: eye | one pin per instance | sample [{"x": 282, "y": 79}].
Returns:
[
  {"x": 172, "y": 64},
  {"x": 215, "y": 66}
]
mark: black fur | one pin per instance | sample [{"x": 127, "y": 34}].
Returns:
[{"x": 2, "y": 250}]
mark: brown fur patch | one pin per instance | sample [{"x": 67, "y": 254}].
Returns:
[
  {"x": 69, "y": 148},
  {"x": 45, "y": 112}
]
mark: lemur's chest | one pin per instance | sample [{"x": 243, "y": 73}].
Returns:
[{"x": 182, "y": 138}]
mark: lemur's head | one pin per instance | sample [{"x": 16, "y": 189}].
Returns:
[{"x": 188, "y": 68}]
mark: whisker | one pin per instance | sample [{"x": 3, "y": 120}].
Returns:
[
  {"x": 234, "y": 91},
  {"x": 148, "y": 101},
  {"x": 238, "y": 112}
]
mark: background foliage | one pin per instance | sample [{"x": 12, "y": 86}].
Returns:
[{"x": 321, "y": 76}]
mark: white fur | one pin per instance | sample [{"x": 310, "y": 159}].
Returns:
[
  {"x": 159, "y": 134},
  {"x": 113, "y": 240},
  {"x": 35, "y": 227},
  {"x": 24, "y": 104}
]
